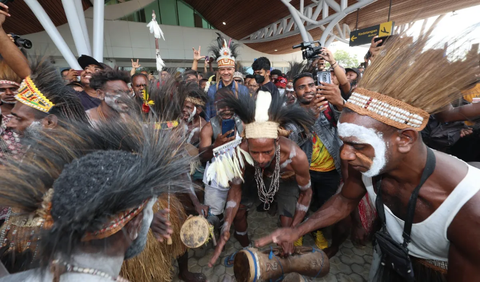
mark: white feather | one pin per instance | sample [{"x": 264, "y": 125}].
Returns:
[
  {"x": 240, "y": 158},
  {"x": 247, "y": 156},
  {"x": 160, "y": 63},
  {"x": 155, "y": 29},
  {"x": 238, "y": 172},
  {"x": 211, "y": 171},
  {"x": 264, "y": 99}
]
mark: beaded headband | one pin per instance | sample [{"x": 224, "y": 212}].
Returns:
[
  {"x": 195, "y": 101},
  {"x": 266, "y": 129},
  {"x": 9, "y": 82},
  {"x": 115, "y": 224},
  {"x": 29, "y": 95},
  {"x": 387, "y": 110},
  {"x": 226, "y": 63}
]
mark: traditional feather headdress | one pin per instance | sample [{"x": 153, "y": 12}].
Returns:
[
  {"x": 101, "y": 178},
  {"x": 408, "y": 81},
  {"x": 294, "y": 70},
  {"x": 224, "y": 53},
  {"x": 45, "y": 91},
  {"x": 262, "y": 119}
]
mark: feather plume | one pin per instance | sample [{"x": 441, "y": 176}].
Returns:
[
  {"x": 262, "y": 105},
  {"x": 154, "y": 27},
  {"x": 442, "y": 75},
  {"x": 295, "y": 69},
  {"x": 219, "y": 43}
]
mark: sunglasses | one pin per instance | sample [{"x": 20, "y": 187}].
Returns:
[{"x": 238, "y": 80}]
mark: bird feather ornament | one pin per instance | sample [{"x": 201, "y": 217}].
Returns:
[
  {"x": 264, "y": 99},
  {"x": 157, "y": 32}
]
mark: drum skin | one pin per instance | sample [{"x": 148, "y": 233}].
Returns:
[
  {"x": 195, "y": 232},
  {"x": 251, "y": 265}
]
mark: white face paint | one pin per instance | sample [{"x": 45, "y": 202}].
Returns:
[
  {"x": 192, "y": 115},
  {"x": 114, "y": 101},
  {"x": 367, "y": 136}
]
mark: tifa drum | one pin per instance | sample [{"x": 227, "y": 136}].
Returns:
[
  {"x": 195, "y": 231},
  {"x": 251, "y": 265}
]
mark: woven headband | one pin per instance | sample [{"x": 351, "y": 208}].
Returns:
[
  {"x": 256, "y": 130},
  {"x": 387, "y": 110},
  {"x": 195, "y": 101},
  {"x": 115, "y": 224},
  {"x": 29, "y": 95},
  {"x": 9, "y": 82}
]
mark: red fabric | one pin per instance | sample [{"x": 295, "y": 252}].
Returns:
[{"x": 281, "y": 82}]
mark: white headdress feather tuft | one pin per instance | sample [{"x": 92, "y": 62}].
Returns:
[{"x": 264, "y": 99}]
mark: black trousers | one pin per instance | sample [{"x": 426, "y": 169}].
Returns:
[{"x": 324, "y": 186}]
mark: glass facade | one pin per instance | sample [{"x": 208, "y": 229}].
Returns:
[{"x": 169, "y": 12}]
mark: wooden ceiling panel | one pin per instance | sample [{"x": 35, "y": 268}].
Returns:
[{"x": 23, "y": 21}]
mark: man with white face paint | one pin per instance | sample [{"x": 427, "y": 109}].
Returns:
[
  {"x": 427, "y": 201},
  {"x": 112, "y": 89}
]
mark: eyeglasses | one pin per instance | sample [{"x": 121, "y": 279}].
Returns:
[{"x": 238, "y": 80}]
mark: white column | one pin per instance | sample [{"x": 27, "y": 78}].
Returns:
[
  {"x": 81, "y": 16},
  {"x": 52, "y": 31},
  {"x": 75, "y": 27},
  {"x": 98, "y": 18}
]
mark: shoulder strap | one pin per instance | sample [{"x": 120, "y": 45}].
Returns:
[{"x": 427, "y": 171}]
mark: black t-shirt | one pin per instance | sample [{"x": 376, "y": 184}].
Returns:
[
  {"x": 271, "y": 88},
  {"x": 87, "y": 101}
]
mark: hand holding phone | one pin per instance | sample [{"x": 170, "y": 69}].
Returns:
[{"x": 228, "y": 125}]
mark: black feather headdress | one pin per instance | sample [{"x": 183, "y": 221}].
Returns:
[
  {"x": 248, "y": 110},
  {"x": 295, "y": 69},
  {"x": 95, "y": 173}
]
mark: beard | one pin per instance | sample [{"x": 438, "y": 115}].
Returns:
[
  {"x": 138, "y": 244},
  {"x": 33, "y": 130}
]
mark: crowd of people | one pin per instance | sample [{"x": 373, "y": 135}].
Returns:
[{"x": 101, "y": 167}]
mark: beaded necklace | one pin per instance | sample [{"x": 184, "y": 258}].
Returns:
[
  {"x": 92, "y": 271},
  {"x": 267, "y": 196}
]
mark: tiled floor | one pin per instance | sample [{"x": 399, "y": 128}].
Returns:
[{"x": 351, "y": 264}]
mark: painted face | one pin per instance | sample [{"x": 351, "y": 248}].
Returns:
[
  {"x": 33, "y": 130},
  {"x": 138, "y": 244},
  {"x": 115, "y": 93},
  {"x": 262, "y": 151},
  {"x": 189, "y": 111},
  {"x": 8, "y": 92},
  {"x": 138, "y": 84},
  {"x": 225, "y": 113},
  {"x": 305, "y": 90},
  {"x": 226, "y": 74},
  {"x": 364, "y": 148},
  {"x": 23, "y": 117}
]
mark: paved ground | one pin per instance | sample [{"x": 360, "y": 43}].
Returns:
[{"x": 351, "y": 264}]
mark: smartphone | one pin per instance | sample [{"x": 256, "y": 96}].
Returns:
[
  {"x": 227, "y": 125},
  {"x": 324, "y": 76},
  {"x": 384, "y": 39},
  {"x": 79, "y": 72},
  {"x": 207, "y": 58}
]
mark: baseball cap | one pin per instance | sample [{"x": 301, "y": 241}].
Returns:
[{"x": 84, "y": 61}]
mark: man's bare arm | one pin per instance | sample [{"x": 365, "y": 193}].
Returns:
[
  {"x": 10, "y": 52},
  {"x": 464, "y": 253},
  {"x": 302, "y": 173},
  {"x": 335, "y": 209},
  {"x": 233, "y": 203},
  {"x": 205, "y": 146},
  {"x": 462, "y": 113}
]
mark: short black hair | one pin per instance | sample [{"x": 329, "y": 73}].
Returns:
[
  {"x": 250, "y": 76},
  {"x": 204, "y": 79},
  {"x": 261, "y": 63},
  {"x": 99, "y": 79},
  {"x": 189, "y": 72},
  {"x": 276, "y": 71},
  {"x": 301, "y": 75},
  {"x": 64, "y": 70},
  {"x": 139, "y": 74}
]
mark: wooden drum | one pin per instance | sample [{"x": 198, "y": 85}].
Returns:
[
  {"x": 195, "y": 231},
  {"x": 251, "y": 265}
]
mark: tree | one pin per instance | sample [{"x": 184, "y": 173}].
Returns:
[{"x": 345, "y": 59}]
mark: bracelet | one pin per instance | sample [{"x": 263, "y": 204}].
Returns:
[{"x": 334, "y": 65}]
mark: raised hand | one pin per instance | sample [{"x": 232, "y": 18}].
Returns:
[
  {"x": 196, "y": 54},
  {"x": 3, "y": 13},
  {"x": 135, "y": 65}
]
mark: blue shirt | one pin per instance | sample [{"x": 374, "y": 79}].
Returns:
[{"x": 210, "y": 110}]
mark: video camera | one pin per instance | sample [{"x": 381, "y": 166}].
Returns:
[
  {"x": 309, "y": 50},
  {"x": 21, "y": 42}
]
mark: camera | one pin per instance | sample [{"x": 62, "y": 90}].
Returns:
[
  {"x": 21, "y": 42},
  {"x": 309, "y": 50}
]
